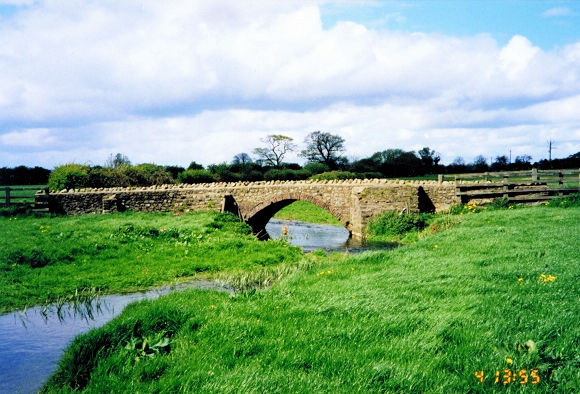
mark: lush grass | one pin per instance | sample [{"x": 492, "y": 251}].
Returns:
[
  {"x": 43, "y": 259},
  {"x": 499, "y": 290},
  {"x": 305, "y": 211}
]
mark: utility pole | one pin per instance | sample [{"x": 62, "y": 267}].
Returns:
[
  {"x": 550, "y": 147},
  {"x": 510, "y": 157}
]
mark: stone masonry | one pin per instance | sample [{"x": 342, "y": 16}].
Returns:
[{"x": 352, "y": 202}]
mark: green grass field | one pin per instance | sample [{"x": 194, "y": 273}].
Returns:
[
  {"x": 493, "y": 291},
  {"x": 45, "y": 259},
  {"x": 305, "y": 211}
]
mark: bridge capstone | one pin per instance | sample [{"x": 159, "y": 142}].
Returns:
[{"x": 352, "y": 202}]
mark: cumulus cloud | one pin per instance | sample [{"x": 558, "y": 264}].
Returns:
[{"x": 185, "y": 78}]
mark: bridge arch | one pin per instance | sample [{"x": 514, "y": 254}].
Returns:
[{"x": 259, "y": 215}]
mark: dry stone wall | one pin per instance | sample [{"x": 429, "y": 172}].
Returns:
[{"x": 352, "y": 202}]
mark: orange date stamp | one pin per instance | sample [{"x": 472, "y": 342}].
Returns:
[{"x": 507, "y": 376}]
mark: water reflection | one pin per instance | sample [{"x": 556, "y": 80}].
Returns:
[
  {"x": 33, "y": 340},
  {"x": 311, "y": 237}
]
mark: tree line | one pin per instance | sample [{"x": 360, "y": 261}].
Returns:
[{"x": 323, "y": 152}]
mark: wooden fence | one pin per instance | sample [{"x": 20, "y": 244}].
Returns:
[
  {"x": 517, "y": 186},
  {"x": 18, "y": 195}
]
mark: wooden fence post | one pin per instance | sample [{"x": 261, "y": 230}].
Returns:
[
  {"x": 7, "y": 200},
  {"x": 534, "y": 174},
  {"x": 440, "y": 178},
  {"x": 561, "y": 183},
  {"x": 506, "y": 186}
]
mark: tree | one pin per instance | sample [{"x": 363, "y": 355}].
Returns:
[
  {"x": 479, "y": 164},
  {"x": 277, "y": 146},
  {"x": 323, "y": 148},
  {"x": 458, "y": 161},
  {"x": 174, "y": 170},
  {"x": 117, "y": 161},
  {"x": 223, "y": 173},
  {"x": 429, "y": 158},
  {"x": 397, "y": 162},
  {"x": 195, "y": 166},
  {"x": 242, "y": 158},
  {"x": 523, "y": 162},
  {"x": 457, "y": 166},
  {"x": 523, "y": 159},
  {"x": 500, "y": 163}
]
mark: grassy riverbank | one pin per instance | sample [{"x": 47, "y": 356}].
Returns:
[
  {"x": 498, "y": 291},
  {"x": 45, "y": 259}
]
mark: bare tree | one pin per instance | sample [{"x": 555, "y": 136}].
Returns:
[
  {"x": 323, "y": 148},
  {"x": 242, "y": 158},
  {"x": 277, "y": 146},
  {"x": 117, "y": 160}
]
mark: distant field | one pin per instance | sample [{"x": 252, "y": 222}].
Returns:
[
  {"x": 305, "y": 211},
  {"x": 20, "y": 196}
]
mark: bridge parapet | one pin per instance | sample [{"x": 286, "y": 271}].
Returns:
[{"x": 352, "y": 202}]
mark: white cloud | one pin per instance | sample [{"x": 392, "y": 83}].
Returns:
[
  {"x": 557, "y": 12},
  {"x": 92, "y": 58},
  {"x": 517, "y": 56},
  {"x": 27, "y": 138},
  {"x": 17, "y": 2},
  {"x": 185, "y": 80}
]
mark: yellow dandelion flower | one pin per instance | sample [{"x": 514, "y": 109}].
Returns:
[
  {"x": 435, "y": 246},
  {"x": 509, "y": 360},
  {"x": 520, "y": 279}
]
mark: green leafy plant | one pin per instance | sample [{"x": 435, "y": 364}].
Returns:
[
  {"x": 572, "y": 200},
  {"x": 34, "y": 258},
  {"x": 195, "y": 176},
  {"x": 69, "y": 176},
  {"x": 393, "y": 224},
  {"x": 500, "y": 203},
  {"x": 286, "y": 175},
  {"x": 334, "y": 175},
  {"x": 148, "y": 346}
]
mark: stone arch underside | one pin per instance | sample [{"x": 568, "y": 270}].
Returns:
[{"x": 259, "y": 215}]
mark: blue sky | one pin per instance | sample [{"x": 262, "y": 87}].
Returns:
[
  {"x": 191, "y": 80},
  {"x": 545, "y": 23}
]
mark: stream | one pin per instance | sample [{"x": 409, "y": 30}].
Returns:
[{"x": 33, "y": 340}]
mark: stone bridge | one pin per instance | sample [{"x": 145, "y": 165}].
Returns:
[{"x": 352, "y": 202}]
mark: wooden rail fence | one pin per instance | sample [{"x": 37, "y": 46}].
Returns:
[
  {"x": 524, "y": 186},
  {"x": 18, "y": 195}
]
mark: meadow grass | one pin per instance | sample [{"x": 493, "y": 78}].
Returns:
[
  {"x": 305, "y": 211},
  {"x": 44, "y": 259},
  {"x": 497, "y": 291}
]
